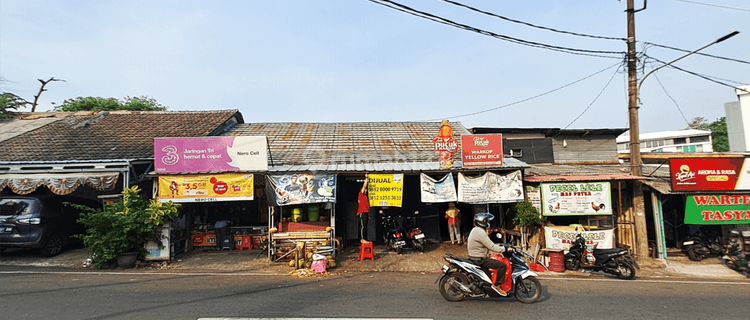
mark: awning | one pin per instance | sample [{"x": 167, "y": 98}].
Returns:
[{"x": 59, "y": 183}]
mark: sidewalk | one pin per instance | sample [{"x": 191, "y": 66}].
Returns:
[{"x": 677, "y": 266}]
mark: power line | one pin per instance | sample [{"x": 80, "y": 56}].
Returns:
[
  {"x": 673, "y": 100},
  {"x": 699, "y": 75},
  {"x": 592, "y": 102},
  {"x": 715, "y": 5},
  {"x": 698, "y": 53},
  {"x": 527, "y": 99},
  {"x": 532, "y": 25},
  {"x": 434, "y": 18}
]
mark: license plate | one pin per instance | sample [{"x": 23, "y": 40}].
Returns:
[
  {"x": 687, "y": 243},
  {"x": 419, "y": 236},
  {"x": 400, "y": 243}
]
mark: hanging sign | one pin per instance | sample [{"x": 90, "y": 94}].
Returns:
[
  {"x": 715, "y": 174},
  {"x": 717, "y": 209},
  {"x": 533, "y": 196},
  {"x": 210, "y": 154},
  {"x": 445, "y": 145},
  {"x": 491, "y": 188},
  {"x": 385, "y": 190},
  {"x": 206, "y": 188},
  {"x": 301, "y": 188},
  {"x": 576, "y": 198},
  {"x": 484, "y": 150},
  {"x": 562, "y": 237},
  {"x": 433, "y": 190}
]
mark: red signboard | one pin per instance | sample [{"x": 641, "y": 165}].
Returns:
[
  {"x": 482, "y": 150},
  {"x": 705, "y": 174}
]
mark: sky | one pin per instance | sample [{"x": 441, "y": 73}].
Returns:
[{"x": 360, "y": 61}]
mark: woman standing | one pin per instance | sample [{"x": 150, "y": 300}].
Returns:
[{"x": 454, "y": 223}]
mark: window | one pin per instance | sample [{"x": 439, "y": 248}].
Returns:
[
  {"x": 516, "y": 153},
  {"x": 680, "y": 140},
  {"x": 699, "y": 139}
]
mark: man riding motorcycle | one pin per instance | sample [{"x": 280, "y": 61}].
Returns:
[{"x": 479, "y": 246}]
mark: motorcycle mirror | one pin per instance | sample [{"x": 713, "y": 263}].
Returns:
[
  {"x": 380, "y": 211},
  {"x": 416, "y": 212}
]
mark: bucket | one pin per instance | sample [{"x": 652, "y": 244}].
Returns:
[
  {"x": 296, "y": 214},
  {"x": 313, "y": 213},
  {"x": 556, "y": 261},
  {"x": 127, "y": 259}
]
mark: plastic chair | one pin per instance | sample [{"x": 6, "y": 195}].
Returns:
[
  {"x": 246, "y": 243},
  {"x": 365, "y": 251}
]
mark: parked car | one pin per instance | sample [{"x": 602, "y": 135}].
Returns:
[{"x": 45, "y": 223}]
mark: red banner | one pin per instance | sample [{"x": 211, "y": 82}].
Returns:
[
  {"x": 705, "y": 174},
  {"x": 484, "y": 150}
]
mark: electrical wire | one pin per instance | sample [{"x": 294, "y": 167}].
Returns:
[
  {"x": 714, "y": 5},
  {"x": 527, "y": 99},
  {"x": 592, "y": 102},
  {"x": 532, "y": 25},
  {"x": 698, "y": 53},
  {"x": 709, "y": 78},
  {"x": 673, "y": 100},
  {"x": 434, "y": 18}
]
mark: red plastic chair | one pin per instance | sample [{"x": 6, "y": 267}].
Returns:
[{"x": 246, "y": 243}]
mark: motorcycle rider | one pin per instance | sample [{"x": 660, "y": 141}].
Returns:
[
  {"x": 734, "y": 248},
  {"x": 479, "y": 246}
]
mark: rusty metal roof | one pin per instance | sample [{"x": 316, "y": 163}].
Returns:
[
  {"x": 353, "y": 146},
  {"x": 570, "y": 172}
]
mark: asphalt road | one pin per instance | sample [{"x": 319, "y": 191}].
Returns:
[{"x": 49, "y": 293}]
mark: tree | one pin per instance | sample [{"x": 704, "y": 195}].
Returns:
[
  {"x": 10, "y": 102},
  {"x": 698, "y": 123},
  {"x": 719, "y": 132},
  {"x": 110, "y": 104}
]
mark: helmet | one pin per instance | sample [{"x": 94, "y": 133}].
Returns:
[
  {"x": 734, "y": 233},
  {"x": 483, "y": 219}
]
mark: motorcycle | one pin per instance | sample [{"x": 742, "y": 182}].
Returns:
[
  {"x": 702, "y": 244},
  {"x": 414, "y": 234},
  {"x": 615, "y": 261},
  {"x": 394, "y": 238},
  {"x": 462, "y": 278},
  {"x": 733, "y": 257}
]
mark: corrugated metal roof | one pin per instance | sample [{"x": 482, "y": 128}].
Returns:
[
  {"x": 509, "y": 163},
  {"x": 580, "y": 172}
]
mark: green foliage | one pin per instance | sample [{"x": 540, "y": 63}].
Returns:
[
  {"x": 111, "y": 104},
  {"x": 526, "y": 214},
  {"x": 719, "y": 132},
  {"x": 9, "y": 103},
  {"x": 123, "y": 226}
]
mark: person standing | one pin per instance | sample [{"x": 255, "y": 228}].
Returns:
[
  {"x": 363, "y": 210},
  {"x": 454, "y": 223}
]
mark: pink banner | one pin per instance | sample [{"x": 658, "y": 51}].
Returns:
[{"x": 210, "y": 154}]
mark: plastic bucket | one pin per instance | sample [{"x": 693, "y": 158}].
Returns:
[
  {"x": 313, "y": 213},
  {"x": 296, "y": 214},
  {"x": 556, "y": 261}
]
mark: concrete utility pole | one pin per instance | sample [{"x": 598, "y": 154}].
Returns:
[{"x": 641, "y": 237}]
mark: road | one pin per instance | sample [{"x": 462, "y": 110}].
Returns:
[{"x": 48, "y": 293}]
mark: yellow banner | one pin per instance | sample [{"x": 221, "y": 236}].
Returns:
[
  {"x": 206, "y": 188},
  {"x": 385, "y": 190}
]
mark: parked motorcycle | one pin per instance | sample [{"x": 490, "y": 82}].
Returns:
[
  {"x": 615, "y": 261},
  {"x": 705, "y": 242},
  {"x": 393, "y": 237},
  {"x": 414, "y": 234},
  {"x": 462, "y": 278},
  {"x": 733, "y": 257}
]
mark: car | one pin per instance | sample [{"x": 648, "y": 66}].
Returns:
[{"x": 46, "y": 223}]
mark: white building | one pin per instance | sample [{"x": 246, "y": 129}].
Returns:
[
  {"x": 738, "y": 121},
  {"x": 688, "y": 141}
]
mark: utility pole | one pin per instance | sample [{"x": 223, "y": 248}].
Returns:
[{"x": 641, "y": 237}]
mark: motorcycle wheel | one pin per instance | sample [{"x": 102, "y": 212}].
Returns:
[
  {"x": 399, "y": 250},
  {"x": 728, "y": 263},
  {"x": 626, "y": 271},
  {"x": 528, "y": 290},
  {"x": 419, "y": 245},
  {"x": 692, "y": 255},
  {"x": 449, "y": 290},
  {"x": 571, "y": 263}
]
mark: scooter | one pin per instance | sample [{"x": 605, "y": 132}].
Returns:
[
  {"x": 415, "y": 235},
  {"x": 394, "y": 238},
  {"x": 702, "y": 244},
  {"x": 462, "y": 278},
  {"x": 733, "y": 257},
  {"x": 615, "y": 261}
]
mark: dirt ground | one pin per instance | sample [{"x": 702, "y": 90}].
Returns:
[{"x": 255, "y": 261}]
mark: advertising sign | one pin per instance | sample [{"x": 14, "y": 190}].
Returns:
[
  {"x": 563, "y": 237},
  {"x": 300, "y": 188},
  {"x": 490, "y": 188},
  {"x": 206, "y": 188},
  {"x": 484, "y": 150},
  {"x": 433, "y": 190},
  {"x": 717, "y": 209},
  {"x": 445, "y": 145},
  {"x": 714, "y": 174},
  {"x": 385, "y": 190},
  {"x": 533, "y": 196},
  {"x": 576, "y": 198},
  {"x": 210, "y": 154}
]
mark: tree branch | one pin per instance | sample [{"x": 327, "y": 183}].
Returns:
[{"x": 41, "y": 89}]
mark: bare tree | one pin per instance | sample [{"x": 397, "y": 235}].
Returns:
[{"x": 41, "y": 89}]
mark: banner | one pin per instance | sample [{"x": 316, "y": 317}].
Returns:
[
  {"x": 210, "y": 154},
  {"x": 438, "y": 191},
  {"x": 385, "y": 190},
  {"x": 302, "y": 188},
  {"x": 206, "y": 188},
  {"x": 576, "y": 198},
  {"x": 714, "y": 174},
  {"x": 491, "y": 188},
  {"x": 563, "y": 237},
  {"x": 717, "y": 209},
  {"x": 533, "y": 196},
  {"x": 484, "y": 150}
]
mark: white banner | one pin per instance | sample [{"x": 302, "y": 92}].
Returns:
[
  {"x": 576, "y": 198},
  {"x": 491, "y": 188},
  {"x": 563, "y": 237},
  {"x": 438, "y": 191}
]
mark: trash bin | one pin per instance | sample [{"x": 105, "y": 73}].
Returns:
[{"x": 556, "y": 260}]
